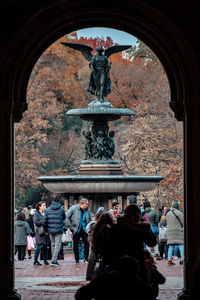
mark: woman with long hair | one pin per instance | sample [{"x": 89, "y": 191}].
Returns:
[
  {"x": 29, "y": 220},
  {"x": 40, "y": 237},
  {"x": 100, "y": 231}
]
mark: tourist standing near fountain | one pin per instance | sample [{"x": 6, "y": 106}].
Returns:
[
  {"x": 53, "y": 224},
  {"x": 40, "y": 237},
  {"x": 77, "y": 218},
  {"x": 175, "y": 232}
]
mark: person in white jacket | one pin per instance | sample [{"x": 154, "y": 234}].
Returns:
[{"x": 175, "y": 231}]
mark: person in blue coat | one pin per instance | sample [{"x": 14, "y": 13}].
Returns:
[{"x": 53, "y": 224}]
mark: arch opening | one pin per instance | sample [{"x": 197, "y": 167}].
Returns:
[{"x": 59, "y": 95}]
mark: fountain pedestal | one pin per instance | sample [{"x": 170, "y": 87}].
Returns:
[{"x": 100, "y": 169}]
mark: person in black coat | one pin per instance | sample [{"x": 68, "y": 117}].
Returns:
[
  {"x": 40, "y": 237},
  {"x": 127, "y": 237},
  {"x": 53, "y": 224}
]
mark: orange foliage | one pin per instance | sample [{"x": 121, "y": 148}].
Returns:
[{"x": 149, "y": 142}]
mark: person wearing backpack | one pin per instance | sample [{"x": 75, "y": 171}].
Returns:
[
  {"x": 52, "y": 223},
  {"x": 149, "y": 209},
  {"x": 162, "y": 227}
]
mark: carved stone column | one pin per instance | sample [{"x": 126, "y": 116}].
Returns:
[
  {"x": 7, "y": 290},
  {"x": 191, "y": 192}
]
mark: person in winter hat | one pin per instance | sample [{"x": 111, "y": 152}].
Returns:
[
  {"x": 154, "y": 226},
  {"x": 132, "y": 199},
  {"x": 175, "y": 231},
  {"x": 53, "y": 224},
  {"x": 100, "y": 210},
  {"x": 176, "y": 204}
]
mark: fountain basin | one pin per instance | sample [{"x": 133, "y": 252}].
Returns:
[
  {"x": 100, "y": 113},
  {"x": 100, "y": 184}
]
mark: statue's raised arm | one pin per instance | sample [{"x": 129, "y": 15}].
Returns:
[{"x": 100, "y": 83}]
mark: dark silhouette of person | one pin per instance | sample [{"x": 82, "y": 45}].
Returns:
[
  {"x": 127, "y": 237},
  {"x": 123, "y": 282},
  {"x": 101, "y": 230},
  {"x": 154, "y": 277}
]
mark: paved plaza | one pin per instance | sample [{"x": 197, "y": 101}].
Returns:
[{"x": 59, "y": 283}]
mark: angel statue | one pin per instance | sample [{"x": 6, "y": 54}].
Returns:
[{"x": 100, "y": 83}]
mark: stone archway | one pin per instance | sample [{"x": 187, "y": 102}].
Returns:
[{"x": 41, "y": 27}]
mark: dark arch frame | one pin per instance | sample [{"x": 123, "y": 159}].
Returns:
[
  {"x": 35, "y": 36},
  {"x": 40, "y": 26}
]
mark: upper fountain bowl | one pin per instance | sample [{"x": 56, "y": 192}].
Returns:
[{"x": 100, "y": 111}]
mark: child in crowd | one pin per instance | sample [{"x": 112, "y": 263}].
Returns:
[
  {"x": 21, "y": 229},
  {"x": 115, "y": 211}
]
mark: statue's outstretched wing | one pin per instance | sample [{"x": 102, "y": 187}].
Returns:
[
  {"x": 84, "y": 49},
  {"x": 115, "y": 49}
]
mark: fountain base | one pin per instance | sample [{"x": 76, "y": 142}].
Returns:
[
  {"x": 100, "y": 183},
  {"x": 100, "y": 169}
]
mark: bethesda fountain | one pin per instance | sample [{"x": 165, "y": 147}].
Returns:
[{"x": 100, "y": 177}]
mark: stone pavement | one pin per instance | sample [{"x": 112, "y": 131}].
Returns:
[{"x": 59, "y": 283}]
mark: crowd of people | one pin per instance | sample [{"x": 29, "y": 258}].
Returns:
[
  {"x": 46, "y": 226},
  {"x": 117, "y": 245}
]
